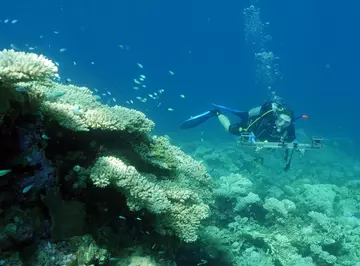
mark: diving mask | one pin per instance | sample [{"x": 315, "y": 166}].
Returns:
[{"x": 282, "y": 122}]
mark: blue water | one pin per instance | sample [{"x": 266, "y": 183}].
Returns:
[{"x": 203, "y": 43}]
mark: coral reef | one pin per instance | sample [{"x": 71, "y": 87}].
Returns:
[
  {"x": 87, "y": 184},
  {"x": 72, "y": 153}
]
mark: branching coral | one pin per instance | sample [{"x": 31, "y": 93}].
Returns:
[
  {"x": 20, "y": 66},
  {"x": 79, "y": 110},
  {"x": 160, "y": 153},
  {"x": 233, "y": 186},
  {"x": 140, "y": 191},
  {"x": 179, "y": 211},
  {"x": 319, "y": 197}
]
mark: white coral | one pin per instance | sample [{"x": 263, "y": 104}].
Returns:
[
  {"x": 20, "y": 66},
  {"x": 179, "y": 211}
]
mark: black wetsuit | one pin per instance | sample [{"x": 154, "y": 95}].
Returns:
[{"x": 264, "y": 128}]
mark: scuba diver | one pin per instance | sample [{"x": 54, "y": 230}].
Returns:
[{"x": 270, "y": 122}]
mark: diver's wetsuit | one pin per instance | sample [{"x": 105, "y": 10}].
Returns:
[{"x": 264, "y": 128}]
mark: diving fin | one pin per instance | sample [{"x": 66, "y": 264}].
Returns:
[
  {"x": 197, "y": 120},
  {"x": 233, "y": 111}
]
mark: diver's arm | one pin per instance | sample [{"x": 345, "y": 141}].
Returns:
[{"x": 225, "y": 122}]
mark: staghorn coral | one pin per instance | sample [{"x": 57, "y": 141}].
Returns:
[{"x": 179, "y": 211}]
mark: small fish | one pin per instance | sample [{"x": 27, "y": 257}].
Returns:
[
  {"x": 6, "y": 21},
  {"x": 161, "y": 252},
  {"x": 140, "y": 65},
  {"x": 68, "y": 80},
  {"x": 27, "y": 188},
  {"x": 171, "y": 73},
  {"x": 202, "y": 262},
  {"x": 20, "y": 89},
  {"x": 114, "y": 99},
  {"x": 95, "y": 89},
  {"x": 49, "y": 245},
  {"x": 14, "y": 21},
  {"x": 4, "y": 172},
  {"x": 144, "y": 86},
  {"x": 170, "y": 109},
  {"x": 141, "y": 79},
  {"x": 43, "y": 136},
  {"x": 136, "y": 81},
  {"x": 31, "y": 48},
  {"x": 182, "y": 96},
  {"x": 122, "y": 217},
  {"x": 135, "y": 88},
  {"x": 55, "y": 95},
  {"x": 56, "y": 32},
  {"x": 114, "y": 259},
  {"x": 97, "y": 97},
  {"x": 147, "y": 232},
  {"x": 131, "y": 101},
  {"x": 142, "y": 76},
  {"x": 62, "y": 50},
  {"x": 76, "y": 111},
  {"x": 13, "y": 46},
  {"x": 92, "y": 63},
  {"x": 139, "y": 98},
  {"x": 74, "y": 63},
  {"x": 109, "y": 92},
  {"x": 138, "y": 218},
  {"x": 121, "y": 46},
  {"x": 153, "y": 246}
]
